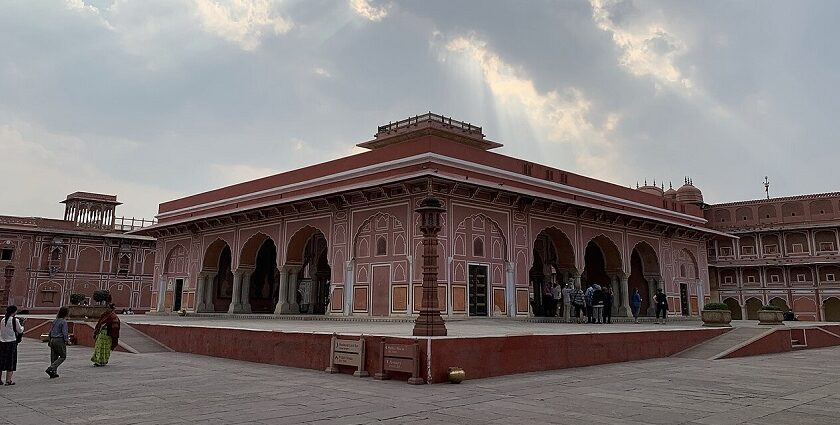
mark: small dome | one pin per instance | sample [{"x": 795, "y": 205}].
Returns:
[
  {"x": 653, "y": 190},
  {"x": 670, "y": 193},
  {"x": 689, "y": 194}
]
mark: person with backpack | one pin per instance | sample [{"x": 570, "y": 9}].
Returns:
[
  {"x": 11, "y": 332},
  {"x": 636, "y": 304},
  {"x": 579, "y": 303},
  {"x": 587, "y": 297}
]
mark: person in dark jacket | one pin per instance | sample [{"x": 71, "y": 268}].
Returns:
[
  {"x": 608, "y": 304},
  {"x": 661, "y": 305},
  {"x": 59, "y": 340}
]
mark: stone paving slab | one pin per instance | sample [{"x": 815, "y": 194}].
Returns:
[{"x": 176, "y": 388}]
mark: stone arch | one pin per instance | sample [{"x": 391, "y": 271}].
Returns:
[
  {"x": 831, "y": 309},
  {"x": 210, "y": 260},
  {"x": 309, "y": 272},
  {"x": 494, "y": 229},
  {"x": 821, "y": 209},
  {"x": 297, "y": 243},
  {"x": 734, "y": 308},
  {"x": 552, "y": 262},
  {"x": 752, "y": 305},
  {"x": 48, "y": 294},
  {"x": 779, "y": 302},
  {"x": 89, "y": 260},
  {"x": 793, "y": 210},
  {"x": 766, "y": 213},
  {"x": 379, "y": 219},
  {"x": 723, "y": 216},
  {"x": 176, "y": 261},
  {"x": 250, "y": 249},
  {"x": 825, "y": 240},
  {"x": 744, "y": 215}
]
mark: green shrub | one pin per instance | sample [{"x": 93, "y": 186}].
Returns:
[
  {"x": 101, "y": 295},
  {"x": 77, "y": 299},
  {"x": 771, "y": 307},
  {"x": 715, "y": 306}
]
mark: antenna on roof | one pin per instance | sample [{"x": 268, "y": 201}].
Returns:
[{"x": 767, "y": 187}]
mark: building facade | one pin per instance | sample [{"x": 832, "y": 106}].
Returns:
[
  {"x": 342, "y": 237},
  {"x": 786, "y": 254},
  {"x": 45, "y": 260}
]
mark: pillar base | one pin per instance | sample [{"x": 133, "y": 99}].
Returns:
[
  {"x": 429, "y": 324},
  {"x": 282, "y": 308}
]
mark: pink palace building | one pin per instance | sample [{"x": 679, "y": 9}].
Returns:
[{"x": 341, "y": 238}]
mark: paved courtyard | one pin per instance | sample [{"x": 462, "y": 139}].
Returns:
[{"x": 791, "y": 388}]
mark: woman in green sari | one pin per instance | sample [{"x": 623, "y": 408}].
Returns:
[{"x": 107, "y": 334}]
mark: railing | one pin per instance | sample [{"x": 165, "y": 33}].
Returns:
[
  {"x": 125, "y": 224},
  {"x": 417, "y": 119}
]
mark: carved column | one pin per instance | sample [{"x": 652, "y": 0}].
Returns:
[
  {"x": 624, "y": 307},
  {"x": 199, "y": 292},
  {"x": 349, "y": 279},
  {"x": 161, "y": 294},
  {"x": 510, "y": 289},
  {"x": 429, "y": 322},
  {"x": 209, "y": 290},
  {"x": 283, "y": 294},
  {"x": 236, "y": 295},
  {"x": 294, "y": 307},
  {"x": 246, "y": 290}
]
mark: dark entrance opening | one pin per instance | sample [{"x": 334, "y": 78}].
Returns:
[
  {"x": 263, "y": 290},
  {"x": 595, "y": 271},
  {"x": 313, "y": 292},
  {"x": 684, "y": 299},
  {"x": 179, "y": 289},
  {"x": 478, "y": 290},
  {"x": 223, "y": 282}
]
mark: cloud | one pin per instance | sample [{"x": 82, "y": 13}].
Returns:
[
  {"x": 52, "y": 165},
  {"x": 559, "y": 117},
  {"x": 321, "y": 72},
  {"x": 243, "y": 22},
  {"x": 368, "y": 11},
  {"x": 647, "y": 48}
]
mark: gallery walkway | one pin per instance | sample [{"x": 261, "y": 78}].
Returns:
[{"x": 180, "y": 388}]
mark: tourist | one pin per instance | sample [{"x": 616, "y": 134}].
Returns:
[
  {"x": 548, "y": 300},
  {"x": 636, "y": 304},
  {"x": 107, "y": 333},
  {"x": 11, "y": 332},
  {"x": 790, "y": 316},
  {"x": 587, "y": 297},
  {"x": 579, "y": 302},
  {"x": 598, "y": 304},
  {"x": 661, "y": 305},
  {"x": 130, "y": 311},
  {"x": 59, "y": 340},
  {"x": 558, "y": 300},
  {"x": 608, "y": 304},
  {"x": 567, "y": 301}
]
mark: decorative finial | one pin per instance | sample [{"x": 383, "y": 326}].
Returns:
[
  {"x": 767, "y": 187},
  {"x": 645, "y": 182},
  {"x": 670, "y": 185},
  {"x": 637, "y": 184}
]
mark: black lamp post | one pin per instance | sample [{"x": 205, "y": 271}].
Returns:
[{"x": 429, "y": 322}]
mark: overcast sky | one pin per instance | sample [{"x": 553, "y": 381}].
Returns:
[{"x": 156, "y": 99}]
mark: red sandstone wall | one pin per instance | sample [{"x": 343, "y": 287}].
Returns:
[
  {"x": 480, "y": 357},
  {"x": 776, "y": 342},
  {"x": 494, "y": 356}
]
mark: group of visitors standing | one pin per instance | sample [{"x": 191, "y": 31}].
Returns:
[
  {"x": 595, "y": 304},
  {"x": 106, "y": 332}
]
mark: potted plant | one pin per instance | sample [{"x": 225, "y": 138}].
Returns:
[
  {"x": 77, "y": 299},
  {"x": 101, "y": 296},
  {"x": 716, "y": 315},
  {"x": 770, "y": 315}
]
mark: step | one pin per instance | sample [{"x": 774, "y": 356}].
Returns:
[
  {"x": 715, "y": 347},
  {"x": 139, "y": 342},
  {"x": 799, "y": 346}
]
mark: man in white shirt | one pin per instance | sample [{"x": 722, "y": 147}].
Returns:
[{"x": 567, "y": 300}]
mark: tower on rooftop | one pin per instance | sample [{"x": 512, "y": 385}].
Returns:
[{"x": 429, "y": 124}]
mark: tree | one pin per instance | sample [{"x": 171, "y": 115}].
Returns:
[{"x": 101, "y": 295}]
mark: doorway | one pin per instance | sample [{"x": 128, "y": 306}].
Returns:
[
  {"x": 478, "y": 290},
  {"x": 684, "y": 299},
  {"x": 179, "y": 288}
]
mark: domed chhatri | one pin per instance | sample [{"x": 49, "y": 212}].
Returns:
[
  {"x": 652, "y": 189},
  {"x": 671, "y": 193},
  {"x": 689, "y": 194}
]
